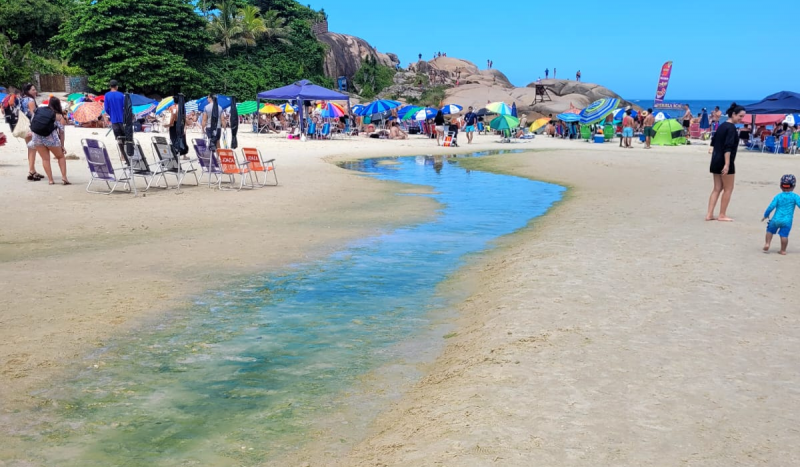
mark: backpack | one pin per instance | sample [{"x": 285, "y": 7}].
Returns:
[
  {"x": 44, "y": 121},
  {"x": 10, "y": 108}
]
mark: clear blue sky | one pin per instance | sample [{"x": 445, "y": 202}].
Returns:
[{"x": 721, "y": 49}]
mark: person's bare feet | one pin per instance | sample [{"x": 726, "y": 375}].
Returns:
[
  {"x": 724, "y": 219},
  {"x": 766, "y": 247},
  {"x": 783, "y": 253},
  {"x": 710, "y": 218}
]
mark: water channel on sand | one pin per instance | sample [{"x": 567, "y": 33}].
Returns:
[{"x": 244, "y": 374}]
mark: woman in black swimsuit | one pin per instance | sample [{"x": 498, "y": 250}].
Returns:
[{"x": 723, "y": 157}]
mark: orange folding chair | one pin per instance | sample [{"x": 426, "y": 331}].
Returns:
[
  {"x": 258, "y": 164},
  {"x": 231, "y": 167}
]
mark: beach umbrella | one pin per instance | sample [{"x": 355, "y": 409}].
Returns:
[
  {"x": 332, "y": 110},
  {"x": 269, "y": 109},
  {"x": 514, "y": 109},
  {"x": 75, "y": 106},
  {"x": 792, "y": 119},
  {"x": 140, "y": 111},
  {"x": 404, "y": 110},
  {"x": 704, "y": 125},
  {"x": 598, "y": 110},
  {"x": 540, "y": 122},
  {"x": 179, "y": 143},
  {"x": 504, "y": 122},
  {"x": 568, "y": 117},
  {"x": 191, "y": 106},
  {"x": 74, "y": 96},
  {"x": 138, "y": 99},
  {"x": 356, "y": 109},
  {"x": 246, "y": 107},
  {"x": 424, "y": 113},
  {"x": 661, "y": 116},
  {"x": 483, "y": 112},
  {"x": 379, "y": 106},
  {"x": 100, "y": 98},
  {"x": 222, "y": 101},
  {"x": 288, "y": 109},
  {"x": 620, "y": 113},
  {"x": 499, "y": 108},
  {"x": 87, "y": 112},
  {"x": 234, "y": 123},
  {"x": 164, "y": 104},
  {"x": 451, "y": 109}
]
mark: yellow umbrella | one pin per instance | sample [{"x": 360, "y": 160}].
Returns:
[
  {"x": 538, "y": 123},
  {"x": 270, "y": 109}
]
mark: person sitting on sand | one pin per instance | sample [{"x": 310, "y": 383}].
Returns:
[
  {"x": 783, "y": 204},
  {"x": 396, "y": 133}
]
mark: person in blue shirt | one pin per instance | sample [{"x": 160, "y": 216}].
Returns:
[
  {"x": 783, "y": 204},
  {"x": 113, "y": 105},
  {"x": 470, "y": 121}
]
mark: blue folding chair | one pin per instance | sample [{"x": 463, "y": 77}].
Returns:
[
  {"x": 770, "y": 145},
  {"x": 312, "y": 130},
  {"x": 326, "y": 131}
]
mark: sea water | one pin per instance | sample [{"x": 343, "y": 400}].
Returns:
[{"x": 249, "y": 369}]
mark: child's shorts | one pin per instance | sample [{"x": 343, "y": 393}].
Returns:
[{"x": 781, "y": 230}]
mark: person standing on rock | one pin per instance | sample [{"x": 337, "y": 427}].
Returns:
[
  {"x": 554, "y": 72},
  {"x": 546, "y": 73},
  {"x": 420, "y": 57},
  {"x": 471, "y": 121},
  {"x": 578, "y": 76}
]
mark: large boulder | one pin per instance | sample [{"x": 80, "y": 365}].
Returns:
[
  {"x": 346, "y": 54},
  {"x": 592, "y": 92}
]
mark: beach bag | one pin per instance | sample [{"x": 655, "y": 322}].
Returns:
[
  {"x": 23, "y": 126},
  {"x": 44, "y": 121}
]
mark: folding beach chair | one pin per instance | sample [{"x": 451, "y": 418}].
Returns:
[
  {"x": 326, "y": 131},
  {"x": 449, "y": 138},
  {"x": 312, "y": 130},
  {"x": 769, "y": 145},
  {"x": 231, "y": 167},
  {"x": 209, "y": 164},
  {"x": 586, "y": 133},
  {"x": 258, "y": 164},
  {"x": 694, "y": 131},
  {"x": 100, "y": 167},
  {"x": 608, "y": 132},
  {"x": 171, "y": 161},
  {"x": 138, "y": 166}
]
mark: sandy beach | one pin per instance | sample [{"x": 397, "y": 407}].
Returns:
[{"x": 620, "y": 329}]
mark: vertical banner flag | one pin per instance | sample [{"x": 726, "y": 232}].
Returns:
[{"x": 663, "y": 82}]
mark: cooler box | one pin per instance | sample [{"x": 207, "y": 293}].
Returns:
[
  {"x": 599, "y": 139},
  {"x": 642, "y": 138}
]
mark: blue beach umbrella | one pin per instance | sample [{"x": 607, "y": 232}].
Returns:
[
  {"x": 140, "y": 111},
  {"x": 191, "y": 106},
  {"x": 356, "y": 109},
  {"x": 704, "y": 125},
  {"x": 403, "y": 110},
  {"x": 514, "y": 109},
  {"x": 568, "y": 117},
  {"x": 598, "y": 110},
  {"x": 223, "y": 101},
  {"x": 792, "y": 119},
  {"x": 451, "y": 109},
  {"x": 422, "y": 114},
  {"x": 662, "y": 116},
  {"x": 620, "y": 113},
  {"x": 379, "y": 106},
  {"x": 2, "y": 95}
]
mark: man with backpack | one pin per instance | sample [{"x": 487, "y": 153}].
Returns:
[{"x": 10, "y": 106}]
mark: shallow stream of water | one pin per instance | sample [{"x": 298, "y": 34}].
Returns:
[{"x": 246, "y": 372}]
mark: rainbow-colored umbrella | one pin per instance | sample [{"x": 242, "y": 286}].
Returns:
[
  {"x": 333, "y": 111},
  {"x": 598, "y": 110},
  {"x": 500, "y": 108},
  {"x": 164, "y": 104},
  {"x": 74, "y": 96}
]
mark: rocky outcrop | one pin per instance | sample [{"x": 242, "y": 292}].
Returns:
[{"x": 346, "y": 53}]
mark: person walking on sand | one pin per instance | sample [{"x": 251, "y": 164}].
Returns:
[
  {"x": 546, "y": 73},
  {"x": 471, "y": 121},
  {"x": 438, "y": 122},
  {"x": 214, "y": 134},
  {"x": 627, "y": 129},
  {"x": 783, "y": 204},
  {"x": 649, "y": 132},
  {"x": 113, "y": 105},
  {"x": 687, "y": 118},
  {"x": 723, "y": 149},
  {"x": 52, "y": 142},
  {"x": 28, "y": 107}
]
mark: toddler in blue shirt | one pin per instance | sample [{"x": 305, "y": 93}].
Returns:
[{"x": 783, "y": 204}]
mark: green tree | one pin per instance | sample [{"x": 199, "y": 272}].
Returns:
[
  {"x": 225, "y": 26},
  {"x": 275, "y": 28},
  {"x": 32, "y": 21},
  {"x": 147, "y": 45},
  {"x": 372, "y": 78},
  {"x": 252, "y": 25}
]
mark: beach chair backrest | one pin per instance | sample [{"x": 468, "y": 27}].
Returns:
[
  {"x": 138, "y": 162},
  {"x": 326, "y": 129},
  {"x": 448, "y": 139},
  {"x": 98, "y": 160},
  {"x": 163, "y": 148},
  {"x": 227, "y": 161},
  {"x": 252, "y": 156},
  {"x": 204, "y": 156},
  {"x": 312, "y": 128}
]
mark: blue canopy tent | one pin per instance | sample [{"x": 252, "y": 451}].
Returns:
[
  {"x": 300, "y": 91},
  {"x": 784, "y": 102}
]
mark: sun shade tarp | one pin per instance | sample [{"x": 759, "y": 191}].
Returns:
[
  {"x": 303, "y": 90},
  {"x": 783, "y": 102}
]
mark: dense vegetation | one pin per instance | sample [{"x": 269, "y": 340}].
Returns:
[
  {"x": 237, "y": 47},
  {"x": 372, "y": 78}
]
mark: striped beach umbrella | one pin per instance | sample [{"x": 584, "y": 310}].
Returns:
[
  {"x": 568, "y": 117},
  {"x": 74, "y": 96},
  {"x": 619, "y": 114},
  {"x": 333, "y": 111},
  {"x": 598, "y": 110},
  {"x": 379, "y": 106},
  {"x": 288, "y": 109},
  {"x": 356, "y": 109},
  {"x": 451, "y": 109},
  {"x": 421, "y": 114},
  {"x": 504, "y": 122},
  {"x": 247, "y": 107},
  {"x": 164, "y": 104},
  {"x": 539, "y": 122},
  {"x": 191, "y": 106},
  {"x": 140, "y": 111},
  {"x": 792, "y": 119},
  {"x": 662, "y": 116},
  {"x": 499, "y": 108}
]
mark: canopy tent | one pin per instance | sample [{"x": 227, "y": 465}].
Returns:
[
  {"x": 668, "y": 133},
  {"x": 301, "y": 91},
  {"x": 783, "y": 102},
  {"x": 763, "y": 119}
]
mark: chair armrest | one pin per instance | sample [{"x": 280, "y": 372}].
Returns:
[{"x": 271, "y": 160}]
